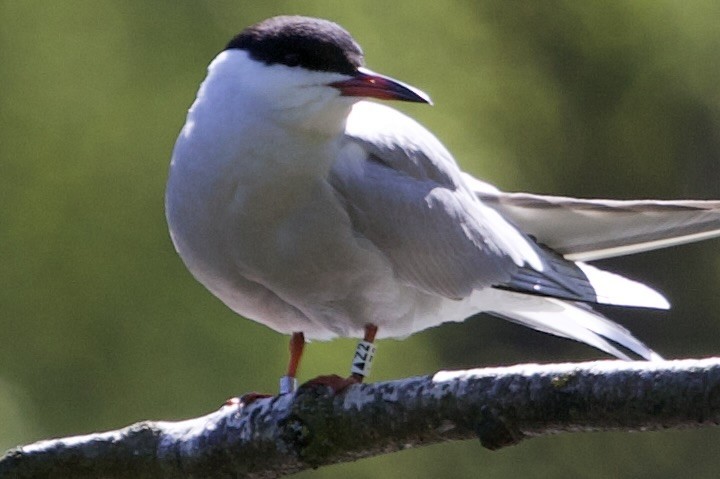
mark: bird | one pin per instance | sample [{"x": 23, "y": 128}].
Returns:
[{"x": 304, "y": 204}]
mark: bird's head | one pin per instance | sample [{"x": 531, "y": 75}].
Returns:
[{"x": 301, "y": 71}]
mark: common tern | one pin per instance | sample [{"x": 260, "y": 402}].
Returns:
[{"x": 304, "y": 207}]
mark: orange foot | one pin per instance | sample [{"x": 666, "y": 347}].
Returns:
[
  {"x": 333, "y": 381},
  {"x": 246, "y": 399}
]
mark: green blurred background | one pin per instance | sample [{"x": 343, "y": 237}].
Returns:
[{"x": 100, "y": 323}]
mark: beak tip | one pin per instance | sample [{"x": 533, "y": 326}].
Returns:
[{"x": 414, "y": 95}]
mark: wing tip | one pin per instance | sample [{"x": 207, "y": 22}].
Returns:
[{"x": 614, "y": 289}]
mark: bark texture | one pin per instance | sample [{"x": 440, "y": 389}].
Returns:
[{"x": 277, "y": 436}]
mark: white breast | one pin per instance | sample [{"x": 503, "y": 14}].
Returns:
[{"x": 254, "y": 219}]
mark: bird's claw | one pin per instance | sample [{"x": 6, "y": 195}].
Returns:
[{"x": 336, "y": 383}]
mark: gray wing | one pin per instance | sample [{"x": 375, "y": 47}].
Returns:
[
  {"x": 404, "y": 193},
  {"x": 592, "y": 229}
]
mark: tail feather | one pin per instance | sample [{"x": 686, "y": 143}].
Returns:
[{"x": 574, "y": 321}]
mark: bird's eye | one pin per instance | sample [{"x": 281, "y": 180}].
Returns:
[{"x": 291, "y": 59}]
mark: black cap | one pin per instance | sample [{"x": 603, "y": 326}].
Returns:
[{"x": 306, "y": 42}]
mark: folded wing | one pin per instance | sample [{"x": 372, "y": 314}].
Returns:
[
  {"x": 452, "y": 236},
  {"x": 592, "y": 229}
]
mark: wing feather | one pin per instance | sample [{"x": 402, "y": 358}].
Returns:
[
  {"x": 405, "y": 194},
  {"x": 592, "y": 229},
  {"x": 445, "y": 232}
]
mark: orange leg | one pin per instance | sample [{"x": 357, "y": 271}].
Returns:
[
  {"x": 297, "y": 344},
  {"x": 288, "y": 383},
  {"x": 360, "y": 366}
]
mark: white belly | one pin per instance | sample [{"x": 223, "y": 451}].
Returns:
[{"x": 285, "y": 254}]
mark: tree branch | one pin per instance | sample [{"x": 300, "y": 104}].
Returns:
[{"x": 278, "y": 436}]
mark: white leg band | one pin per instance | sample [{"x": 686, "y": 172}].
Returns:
[
  {"x": 288, "y": 385},
  {"x": 362, "y": 361}
]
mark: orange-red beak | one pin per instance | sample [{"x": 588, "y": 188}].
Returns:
[{"x": 369, "y": 84}]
